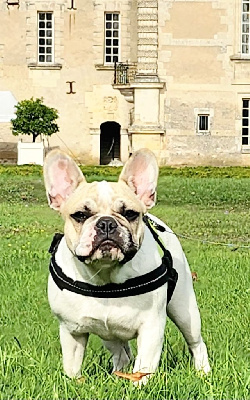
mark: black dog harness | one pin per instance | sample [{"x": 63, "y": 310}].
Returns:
[{"x": 132, "y": 287}]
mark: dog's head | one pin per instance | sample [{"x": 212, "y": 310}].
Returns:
[{"x": 102, "y": 220}]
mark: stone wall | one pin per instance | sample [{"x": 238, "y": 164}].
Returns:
[{"x": 187, "y": 50}]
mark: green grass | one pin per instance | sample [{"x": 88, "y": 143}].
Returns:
[{"x": 205, "y": 204}]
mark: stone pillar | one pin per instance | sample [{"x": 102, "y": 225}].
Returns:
[
  {"x": 147, "y": 104},
  {"x": 147, "y": 47},
  {"x": 147, "y": 129}
]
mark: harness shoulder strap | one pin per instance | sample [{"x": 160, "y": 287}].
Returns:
[
  {"x": 167, "y": 258},
  {"x": 154, "y": 227},
  {"x": 55, "y": 242}
]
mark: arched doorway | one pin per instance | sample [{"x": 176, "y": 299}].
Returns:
[{"x": 110, "y": 141}]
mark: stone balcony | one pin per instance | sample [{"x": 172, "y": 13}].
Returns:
[
  {"x": 126, "y": 79},
  {"x": 124, "y": 76}
]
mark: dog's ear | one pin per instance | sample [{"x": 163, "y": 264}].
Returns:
[
  {"x": 140, "y": 173},
  {"x": 61, "y": 177}
]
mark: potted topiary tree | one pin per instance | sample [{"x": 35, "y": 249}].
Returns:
[{"x": 35, "y": 119}]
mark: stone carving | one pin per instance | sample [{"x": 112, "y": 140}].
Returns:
[{"x": 110, "y": 103}]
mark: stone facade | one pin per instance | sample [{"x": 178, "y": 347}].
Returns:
[{"x": 184, "y": 100}]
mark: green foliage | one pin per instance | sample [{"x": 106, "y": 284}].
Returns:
[
  {"x": 34, "y": 118},
  {"x": 20, "y": 170},
  {"x": 111, "y": 173},
  {"x": 207, "y": 172}
]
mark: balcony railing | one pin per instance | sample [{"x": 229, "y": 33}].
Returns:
[{"x": 124, "y": 73}]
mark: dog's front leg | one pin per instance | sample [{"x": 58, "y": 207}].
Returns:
[
  {"x": 73, "y": 348},
  {"x": 121, "y": 353},
  {"x": 149, "y": 347}
]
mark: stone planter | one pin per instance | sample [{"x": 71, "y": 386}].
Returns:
[{"x": 30, "y": 153}]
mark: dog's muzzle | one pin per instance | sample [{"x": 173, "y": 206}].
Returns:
[{"x": 109, "y": 236}]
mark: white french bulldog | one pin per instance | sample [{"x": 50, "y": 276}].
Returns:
[{"x": 106, "y": 248}]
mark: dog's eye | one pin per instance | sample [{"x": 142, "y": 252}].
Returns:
[
  {"x": 131, "y": 215},
  {"x": 80, "y": 216}
]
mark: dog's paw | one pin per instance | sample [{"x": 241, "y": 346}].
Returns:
[
  {"x": 201, "y": 362},
  {"x": 204, "y": 369},
  {"x": 143, "y": 380}
]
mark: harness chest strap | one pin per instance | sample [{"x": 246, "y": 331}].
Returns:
[{"x": 132, "y": 287}]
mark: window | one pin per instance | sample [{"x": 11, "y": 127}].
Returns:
[
  {"x": 245, "y": 122},
  {"x": 112, "y": 38},
  {"x": 45, "y": 37},
  {"x": 245, "y": 27},
  {"x": 203, "y": 123},
  {"x": 203, "y": 120}
]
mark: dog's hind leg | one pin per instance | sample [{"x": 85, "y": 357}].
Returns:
[
  {"x": 183, "y": 311},
  {"x": 73, "y": 348},
  {"x": 121, "y": 353}
]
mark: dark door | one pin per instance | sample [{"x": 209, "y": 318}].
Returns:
[{"x": 110, "y": 140}]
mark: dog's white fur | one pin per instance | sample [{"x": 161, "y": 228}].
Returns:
[{"x": 117, "y": 320}]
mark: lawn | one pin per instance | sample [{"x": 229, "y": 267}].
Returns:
[{"x": 209, "y": 209}]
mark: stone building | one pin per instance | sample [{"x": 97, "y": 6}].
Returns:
[{"x": 171, "y": 75}]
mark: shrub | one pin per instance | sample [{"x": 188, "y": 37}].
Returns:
[{"x": 34, "y": 118}]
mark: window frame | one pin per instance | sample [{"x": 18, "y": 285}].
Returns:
[
  {"x": 52, "y": 46},
  {"x": 112, "y": 46},
  {"x": 245, "y": 145},
  {"x": 199, "y": 116},
  {"x": 245, "y": 25}
]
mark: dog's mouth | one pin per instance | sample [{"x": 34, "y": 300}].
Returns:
[
  {"x": 109, "y": 250},
  {"x": 107, "y": 245}
]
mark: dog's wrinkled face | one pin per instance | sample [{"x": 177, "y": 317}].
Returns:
[{"x": 103, "y": 221}]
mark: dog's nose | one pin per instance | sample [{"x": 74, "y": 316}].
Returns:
[{"x": 107, "y": 225}]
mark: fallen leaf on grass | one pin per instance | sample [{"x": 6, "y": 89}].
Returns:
[
  {"x": 194, "y": 276},
  {"x": 81, "y": 379},
  {"x": 134, "y": 377}
]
